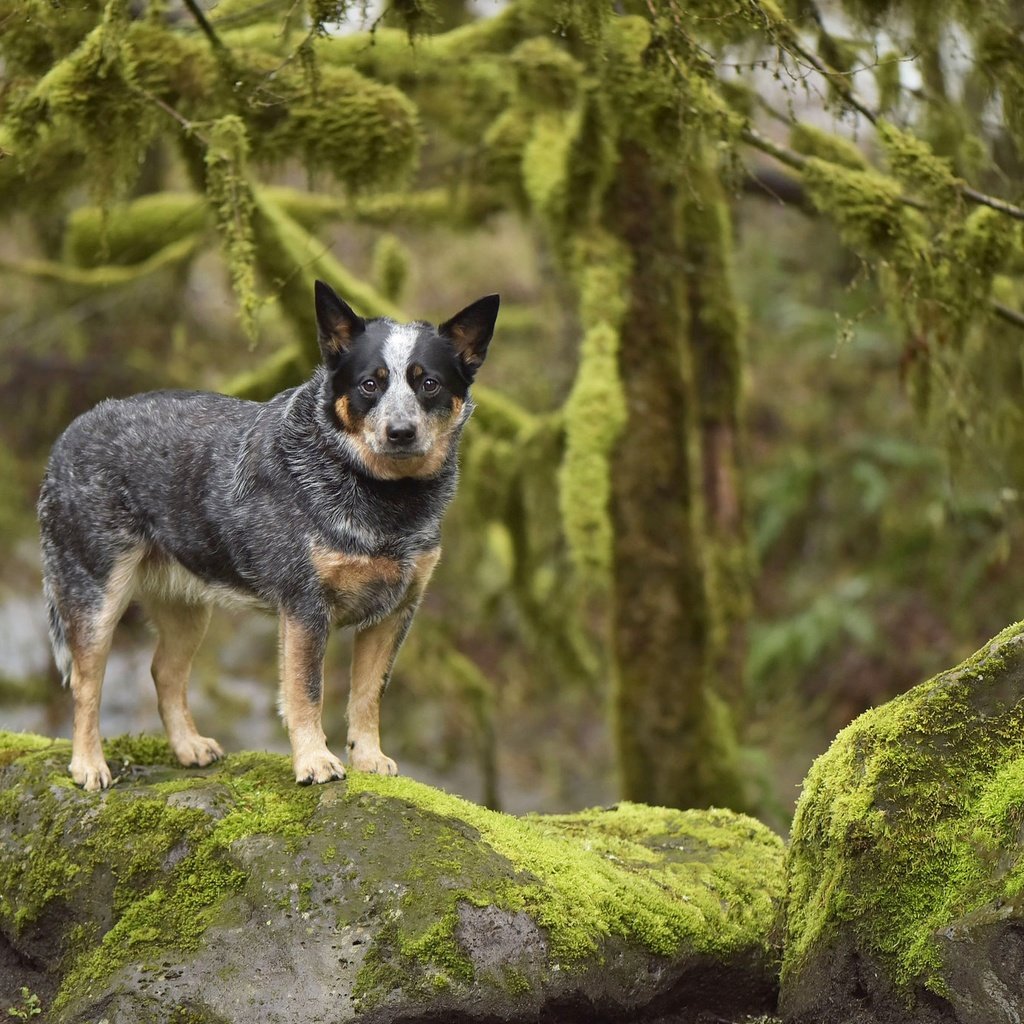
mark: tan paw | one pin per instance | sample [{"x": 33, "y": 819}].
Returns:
[
  {"x": 317, "y": 766},
  {"x": 371, "y": 759},
  {"x": 197, "y": 751},
  {"x": 91, "y": 774}
]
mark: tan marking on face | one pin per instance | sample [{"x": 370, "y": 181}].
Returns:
[
  {"x": 441, "y": 430},
  {"x": 381, "y": 374},
  {"x": 343, "y": 413},
  {"x": 463, "y": 339}
]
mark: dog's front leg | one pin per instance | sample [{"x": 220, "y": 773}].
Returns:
[
  {"x": 373, "y": 657},
  {"x": 302, "y": 697}
]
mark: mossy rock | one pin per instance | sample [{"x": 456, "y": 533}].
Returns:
[
  {"x": 906, "y": 875},
  {"x": 230, "y": 894}
]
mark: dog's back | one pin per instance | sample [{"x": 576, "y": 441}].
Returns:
[{"x": 128, "y": 478}]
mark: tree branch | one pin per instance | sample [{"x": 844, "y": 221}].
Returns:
[
  {"x": 788, "y": 39},
  {"x": 798, "y": 162},
  {"x": 1011, "y": 316},
  {"x": 207, "y": 29}
]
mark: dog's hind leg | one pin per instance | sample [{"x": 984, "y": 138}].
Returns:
[
  {"x": 180, "y": 630},
  {"x": 90, "y": 631}
]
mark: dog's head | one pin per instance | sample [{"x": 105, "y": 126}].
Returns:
[{"x": 400, "y": 392}]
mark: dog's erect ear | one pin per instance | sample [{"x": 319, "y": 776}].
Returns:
[
  {"x": 470, "y": 332},
  {"x": 337, "y": 326}
]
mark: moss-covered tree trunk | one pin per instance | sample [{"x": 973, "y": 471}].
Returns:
[
  {"x": 675, "y": 739},
  {"x": 716, "y": 355}
]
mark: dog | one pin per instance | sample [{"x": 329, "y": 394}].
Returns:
[{"x": 323, "y": 505}]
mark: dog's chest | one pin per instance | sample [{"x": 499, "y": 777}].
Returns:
[{"x": 360, "y": 587}]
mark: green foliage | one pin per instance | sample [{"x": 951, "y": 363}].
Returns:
[
  {"x": 231, "y": 199},
  {"x": 28, "y": 1007}
]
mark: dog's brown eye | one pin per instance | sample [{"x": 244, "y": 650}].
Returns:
[
  {"x": 368, "y": 386},
  {"x": 430, "y": 386}
]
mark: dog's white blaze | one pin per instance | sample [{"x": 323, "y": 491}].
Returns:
[{"x": 399, "y": 400}]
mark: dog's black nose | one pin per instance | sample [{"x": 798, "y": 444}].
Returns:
[{"x": 401, "y": 433}]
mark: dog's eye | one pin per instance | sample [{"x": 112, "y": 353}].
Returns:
[
  {"x": 368, "y": 386},
  {"x": 430, "y": 386}
]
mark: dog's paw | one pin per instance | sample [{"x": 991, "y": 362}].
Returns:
[
  {"x": 197, "y": 751},
  {"x": 318, "y": 766},
  {"x": 372, "y": 761},
  {"x": 91, "y": 775}
]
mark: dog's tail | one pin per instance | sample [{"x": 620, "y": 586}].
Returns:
[{"x": 58, "y": 632}]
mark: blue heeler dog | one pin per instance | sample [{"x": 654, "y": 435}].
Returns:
[{"x": 323, "y": 504}]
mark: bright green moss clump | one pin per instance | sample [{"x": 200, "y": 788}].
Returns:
[
  {"x": 624, "y": 871},
  {"x": 912, "y": 820},
  {"x": 171, "y": 863}
]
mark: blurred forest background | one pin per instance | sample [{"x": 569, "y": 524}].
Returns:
[{"x": 747, "y": 454}]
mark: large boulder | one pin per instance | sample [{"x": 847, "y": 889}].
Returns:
[
  {"x": 230, "y": 894},
  {"x": 906, "y": 876}
]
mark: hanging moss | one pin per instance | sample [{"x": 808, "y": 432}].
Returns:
[
  {"x": 361, "y": 132},
  {"x": 326, "y": 12},
  {"x": 973, "y": 253},
  {"x": 595, "y": 414},
  {"x": 547, "y": 76},
  {"x": 231, "y": 200},
  {"x": 545, "y": 166},
  {"x": 129, "y": 233},
  {"x": 998, "y": 60},
  {"x": 390, "y": 267},
  {"x": 595, "y": 411},
  {"x": 38, "y": 33},
  {"x": 913, "y": 162},
  {"x": 92, "y": 96},
  {"x": 867, "y": 209},
  {"x": 807, "y": 139}
]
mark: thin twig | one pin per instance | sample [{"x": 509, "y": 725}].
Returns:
[
  {"x": 207, "y": 29},
  {"x": 189, "y": 126}
]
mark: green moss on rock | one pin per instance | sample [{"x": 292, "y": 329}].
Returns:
[
  {"x": 436, "y": 898},
  {"x": 910, "y": 823}
]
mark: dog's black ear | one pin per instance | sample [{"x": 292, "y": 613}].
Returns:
[
  {"x": 337, "y": 326},
  {"x": 470, "y": 332}
]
